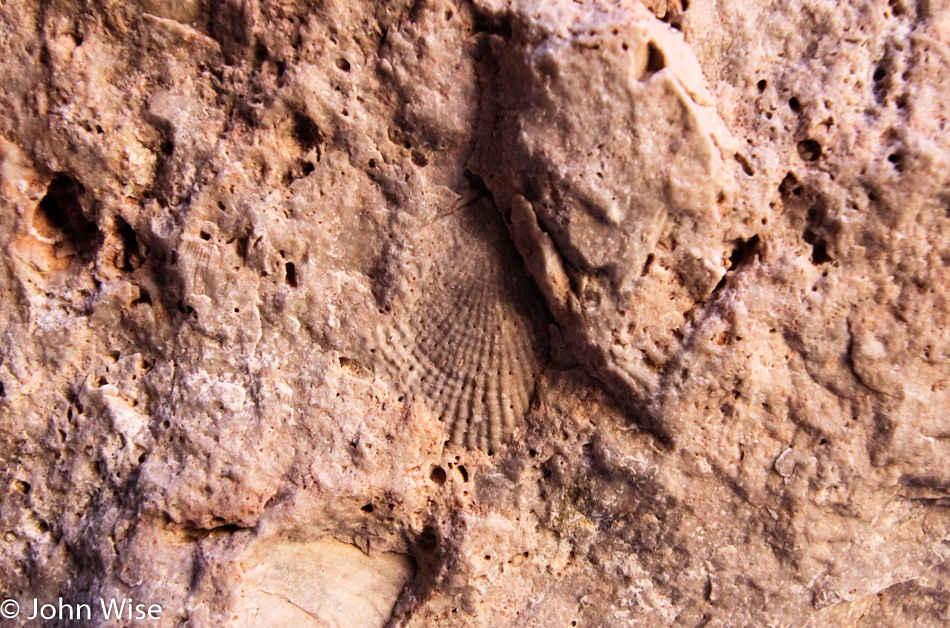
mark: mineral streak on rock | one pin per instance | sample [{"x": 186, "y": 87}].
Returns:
[{"x": 477, "y": 313}]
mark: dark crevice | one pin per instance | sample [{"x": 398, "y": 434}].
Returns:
[
  {"x": 656, "y": 61},
  {"x": 819, "y": 249},
  {"x": 203, "y": 533},
  {"x": 131, "y": 256},
  {"x": 882, "y": 80},
  {"x": 163, "y": 173},
  {"x": 742, "y": 255},
  {"x": 261, "y": 53},
  {"x": 291, "y": 273},
  {"x": 809, "y": 150},
  {"x": 298, "y": 171},
  {"x": 59, "y": 216},
  {"x": 790, "y": 186},
  {"x": 144, "y": 297},
  {"x": 817, "y": 229},
  {"x": 647, "y": 265},
  {"x": 813, "y": 235},
  {"x": 306, "y": 131},
  {"x": 491, "y": 25}
]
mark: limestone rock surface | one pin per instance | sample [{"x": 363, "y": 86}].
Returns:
[{"x": 477, "y": 312}]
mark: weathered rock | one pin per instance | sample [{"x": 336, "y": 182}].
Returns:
[{"x": 477, "y": 314}]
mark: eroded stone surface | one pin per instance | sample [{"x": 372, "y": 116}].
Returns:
[
  {"x": 736, "y": 216},
  {"x": 316, "y": 583}
]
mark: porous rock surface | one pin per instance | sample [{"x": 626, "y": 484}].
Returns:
[{"x": 487, "y": 313}]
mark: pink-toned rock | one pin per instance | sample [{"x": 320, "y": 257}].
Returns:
[{"x": 497, "y": 313}]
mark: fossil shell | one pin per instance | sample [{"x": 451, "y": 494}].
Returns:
[{"x": 470, "y": 333}]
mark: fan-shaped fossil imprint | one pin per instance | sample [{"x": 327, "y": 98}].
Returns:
[{"x": 468, "y": 329}]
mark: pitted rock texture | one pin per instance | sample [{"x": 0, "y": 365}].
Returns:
[
  {"x": 490, "y": 313},
  {"x": 635, "y": 191}
]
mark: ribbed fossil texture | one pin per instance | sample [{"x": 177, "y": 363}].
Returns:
[{"x": 469, "y": 334}]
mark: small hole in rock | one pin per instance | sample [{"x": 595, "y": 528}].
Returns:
[
  {"x": 343, "y": 64},
  {"x": 809, "y": 150},
  {"x": 260, "y": 51},
  {"x": 762, "y": 85},
  {"x": 438, "y": 475},
  {"x": 646, "y": 266},
  {"x": 744, "y": 163},
  {"x": 60, "y": 214},
  {"x": 898, "y": 160},
  {"x": 789, "y": 186},
  {"x": 144, "y": 297},
  {"x": 291, "y": 274},
  {"x": 743, "y": 252},
  {"x": 428, "y": 540},
  {"x": 794, "y": 105},
  {"x": 655, "y": 59},
  {"x": 306, "y": 131},
  {"x": 167, "y": 147},
  {"x": 368, "y": 508},
  {"x": 130, "y": 258},
  {"x": 819, "y": 250}
]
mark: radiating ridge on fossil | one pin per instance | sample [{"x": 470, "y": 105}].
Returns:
[{"x": 468, "y": 332}]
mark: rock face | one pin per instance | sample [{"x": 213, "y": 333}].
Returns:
[{"x": 488, "y": 313}]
